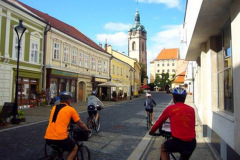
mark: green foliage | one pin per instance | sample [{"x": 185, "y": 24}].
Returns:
[
  {"x": 20, "y": 114},
  {"x": 163, "y": 79},
  {"x": 151, "y": 85},
  {"x": 143, "y": 72}
]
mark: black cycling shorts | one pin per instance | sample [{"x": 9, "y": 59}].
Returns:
[
  {"x": 67, "y": 144},
  {"x": 150, "y": 110},
  {"x": 185, "y": 148},
  {"x": 92, "y": 112}
]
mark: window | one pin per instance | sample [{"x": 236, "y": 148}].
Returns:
[
  {"x": 65, "y": 54},
  {"x": 133, "y": 45},
  {"x": 15, "y": 47},
  {"x": 34, "y": 52},
  {"x": 105, "y": 66},
  {"x": 168, "y": 64},
  {"x": 168, "y": 70},
  {"x": 163, "y": 71},
  {"x": 173, "y": 70},
  {"x": 74, "y": 56},
  {"x": 143, "y": 47},
  {"x": 86, "y": 61},
  {"x": 173, "y": 64},
  {"x": 93, "y": 63},
  {"x": 158, "y": 65},
  {"x": 99, "y": 65},
  {"x": 225, "y": 85},
  {"x": 158, "y": 71},
  {"x": 113, "y": 70},
  {"x": 117, "y": 70},
  {"x": 80, "y": 59},
  {"x": 163, "y": 64},
  {"x": 56, "y": 51}
]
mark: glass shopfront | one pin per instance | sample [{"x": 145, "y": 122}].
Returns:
[
  {"x": 27, "y": 90},
  {"x": 60, "y": 81}
]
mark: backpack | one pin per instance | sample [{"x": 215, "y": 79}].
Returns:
[{"x": 149, "y": 104}]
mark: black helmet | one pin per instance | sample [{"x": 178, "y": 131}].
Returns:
[
  {"x": 65, "y": 95},
  {"x": 94, "y": 93}
]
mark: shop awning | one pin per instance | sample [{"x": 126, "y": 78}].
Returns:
[{"x": 108, "y": 84}]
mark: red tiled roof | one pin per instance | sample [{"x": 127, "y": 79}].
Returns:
[
  {"x": 63, "y": 27},
  {"x": 182, "y": 74},
  {"x": 179, "y": 79},
  {"x": 172, "y": 53}
]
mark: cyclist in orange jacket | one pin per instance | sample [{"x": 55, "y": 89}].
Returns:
[{"x": 57, "y": 130}]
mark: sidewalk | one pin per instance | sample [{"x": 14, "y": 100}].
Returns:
[{"x": 149, "y": 147}]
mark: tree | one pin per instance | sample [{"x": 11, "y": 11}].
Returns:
[
  {"x": 143, "y": 72},
  {"x": 162, "y": 80}
]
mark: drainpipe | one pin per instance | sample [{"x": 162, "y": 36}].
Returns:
[{"x": 47, "y": 28}]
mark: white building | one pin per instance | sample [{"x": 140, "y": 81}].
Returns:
[
  {"x": 212, "y": 40},
  {"x": 137, "y": 41}
]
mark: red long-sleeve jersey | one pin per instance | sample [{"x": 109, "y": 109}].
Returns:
[{"x": 182, "y": 120}]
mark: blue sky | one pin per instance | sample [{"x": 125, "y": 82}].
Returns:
[{"x": 111, "y": 19}]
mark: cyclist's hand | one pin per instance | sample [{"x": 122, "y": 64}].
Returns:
[
  {"x": 89, "y": 131},
  {"x": 151, "y": 133}
]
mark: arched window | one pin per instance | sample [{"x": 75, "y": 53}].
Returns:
[
  {"x": 133, "y": 45},
  {"x": 142, "y": 46}
]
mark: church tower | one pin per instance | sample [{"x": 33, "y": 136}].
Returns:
[{"x": 137, "y": 41}]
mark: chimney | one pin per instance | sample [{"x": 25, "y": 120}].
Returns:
[{"x": 105, "y": 46}]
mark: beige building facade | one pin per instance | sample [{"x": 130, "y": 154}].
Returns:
[{"x": 212, "y": 41}]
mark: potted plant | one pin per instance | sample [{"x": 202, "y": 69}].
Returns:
[{"x": 21, "y": 116}]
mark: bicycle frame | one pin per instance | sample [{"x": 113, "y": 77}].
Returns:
[{"x": 149, "y": 119}]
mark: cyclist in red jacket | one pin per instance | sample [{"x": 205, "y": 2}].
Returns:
[{"x": 182, "y": 120}]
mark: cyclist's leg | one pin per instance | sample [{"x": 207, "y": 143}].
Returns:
[
  {"x": 152, "y": 116},
  {"x": 163, "y": 154},
  {"x": 73, "y": 153},
  {"x": 189, "y": 147},
  {"x": 96, "y": 116}
]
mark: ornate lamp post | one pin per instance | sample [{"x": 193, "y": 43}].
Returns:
[
  {"x": 131, "y": 70},
  {"x": 20, "y": 29}
]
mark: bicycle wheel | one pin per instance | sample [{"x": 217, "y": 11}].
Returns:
[
  {"x": 97, "y": 125},
  {"x": 48, "y": 150},
  {"x": 148, "y": 122},
  {"x": 50, "y": 154},
  {"x": 83, "y": 153},
  {"x": 90, "y": 126}
]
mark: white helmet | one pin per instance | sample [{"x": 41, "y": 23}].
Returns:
[{"x": 148, "y": 95}]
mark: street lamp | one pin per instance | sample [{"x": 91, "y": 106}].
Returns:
[
  {"x": 20, "y": 29},
  {"x": 130, "y": 82}
]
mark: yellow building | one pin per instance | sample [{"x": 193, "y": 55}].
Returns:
[{"x": 130, "y": 78}]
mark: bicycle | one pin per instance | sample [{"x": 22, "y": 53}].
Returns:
[
  {"x": 92, "y": 123},
  {"x": 53, "y": 152},
  {"x": 149, "y": 120},
  {"x": 165, "y": 131}
]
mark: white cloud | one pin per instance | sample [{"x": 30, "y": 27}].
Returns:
[
  {"x": 116, "y": 26},
  {"x": 118, "y": 40},
  {"x": 168, "y": 38},
  {"x": 169, "y": 3}
]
